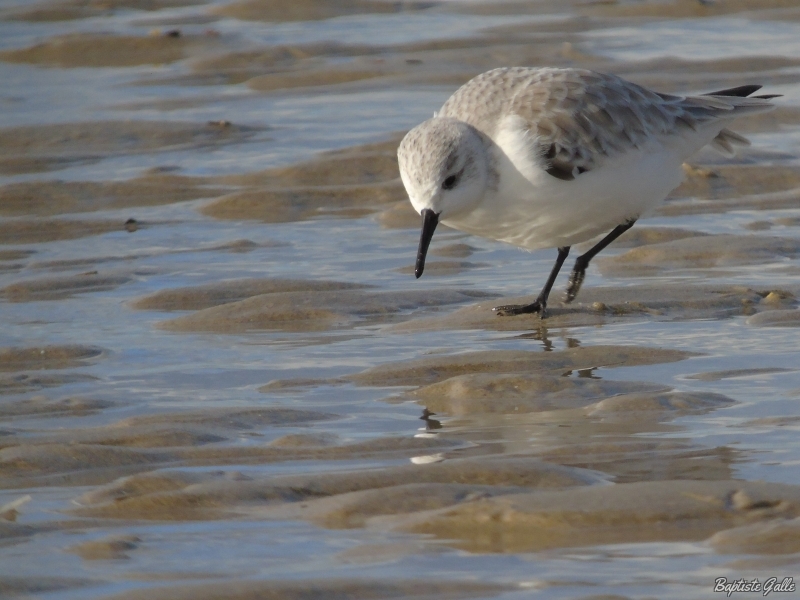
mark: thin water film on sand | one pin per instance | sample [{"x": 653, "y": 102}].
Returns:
[{"x": 219, "y": 377}]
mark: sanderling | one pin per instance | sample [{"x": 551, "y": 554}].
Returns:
[{"x": 545, "y": 157}]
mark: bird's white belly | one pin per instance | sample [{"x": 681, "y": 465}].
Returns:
[{"x": 541, "y": 211}]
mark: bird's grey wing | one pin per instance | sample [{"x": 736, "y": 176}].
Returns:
[{"x": 580, "y": 118}]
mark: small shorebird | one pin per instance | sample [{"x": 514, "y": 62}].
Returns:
[{"x": 545, "y": 157}]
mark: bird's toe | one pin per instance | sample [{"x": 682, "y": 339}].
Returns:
[
  {"x": 519, "y": 309},
  {"x": 574, "y": 285}
]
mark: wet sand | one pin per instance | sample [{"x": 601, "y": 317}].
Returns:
[{"x": 214, "y": 355}]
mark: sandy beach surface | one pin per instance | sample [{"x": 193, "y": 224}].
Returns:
[{"x": 219, "y": 377}]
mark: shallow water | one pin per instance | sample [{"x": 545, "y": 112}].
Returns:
[{"x": 256, "y": 427}]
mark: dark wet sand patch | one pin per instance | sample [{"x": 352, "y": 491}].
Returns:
[
  {"x": 10, "y": 530},
  {"x": 7, "y": 256},
  {"x": 61, "y": 288},
  {"x": 453, "y": 62},
  {"x": 781, "y": 536},
  {"x": 618, "y": 452},
  {"x": 284, "y": 494},
  {"x": 776, "y": 318},
  {"x": 582, "y": 422},
  {"x": 788, "y": 221},
  {"x": 22, "y": 383},
  {"x": 35, "y": 231},
  {"x": 279, "y": 386},
  {"x": 599, "y": 305},
  {"x": 177, "y": 430},
  {"x": 518, "y": 393},
  {"x": 682, "y": 76},
  {"x": 21, "y": 586},
  {"x": 435, "y": 368},
  {"x": 312, "y": 79},
  {"x": 681, "y": 9},
  {"x": 511, "y": 7},
  {"x": 230, "y": 418},
  {"x": 399, "y": 215},
  {"x": 280, "y": 60},
  {"x": 772, "y": 422},
  {"x": 115, "y": 547},
  {"x": 737, "y": 65},
  {"x": 312, "y": 311},
  {"x": 242, "y": 246},
  {"x": 643, "y": 405},
  {"x": 46, "y": 407},
  {"x": 43, "y": 198},
  {"x": 440, "y": 268},
  {"x": 702, "y": 252},
  {"x": 15, "y": 254},
  {"x": 327, "y": 588},
  {"x": 481, "y": 505},
  {"x": 735, "y": 182},
  {"x": 47, "y": 357},
  {"x": 758, "y": 226},
  {"x": 164, "y": 105},
  {"x": 23, "y": 465},
  {"x": 345, "y": 183},
  {"x": 332, "y": 66},
  {"x": 91, "y": 141},
  {"x": 84, "y": 9},
  {"x": 304, "y": 440},
  {"x": 154, "y": 436},
  {"x": 643, "y": 236},
  {"x": 11, "y": 268},
  {"x": 169, "y": 430},
  {"x": 354, "y": 509},
  {"x": 362, "y": 164},
  {"x": 775, "y": 200},
  {"x": 270, "y": 58},
  {"x": 623, "y": 513},
  {"x": 106, "y": 499},
  {"x": 766, "y": 225},
  {"x": 456, "y": 250},
  {"x": 283, "y": 206},
  {"x": 96, "y": 456},
  {"x": 224, "y": 292},
  {"x": 235, "y": 247},
  {"x": 101, "y": 50},
  {"x": 733, "y": 373},
  {"x": 39, "y": 164},
  {"x": 289, "y": 68},
  {"x": 310, "y": 10}
]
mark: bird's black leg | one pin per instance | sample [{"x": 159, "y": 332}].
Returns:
[
  {"x": 540, "y": 305},
  {"x": 579, "y": 270}
]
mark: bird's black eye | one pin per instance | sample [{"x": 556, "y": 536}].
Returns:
[{"x": 449, "y": 183}]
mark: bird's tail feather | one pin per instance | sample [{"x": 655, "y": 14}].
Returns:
[
  {"x": 726, "y": 140},
  {"x": 726, "y": 104}
]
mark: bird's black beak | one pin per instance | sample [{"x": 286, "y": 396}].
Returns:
[{"x": 429, "y": 222}]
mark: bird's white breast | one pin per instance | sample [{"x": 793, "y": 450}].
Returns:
[{"x": 532, "y": 209}]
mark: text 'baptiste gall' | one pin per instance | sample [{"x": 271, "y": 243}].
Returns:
[{"x": 721, "y": 584}]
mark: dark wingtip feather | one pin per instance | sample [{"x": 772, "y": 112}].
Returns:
[
  {"x": 742, "y": 91},
  {"x": 769, "y": 96}
]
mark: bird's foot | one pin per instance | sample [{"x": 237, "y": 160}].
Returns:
[
  {"x": 521, "y": 309},
  {"x": 574, "y": 285}
]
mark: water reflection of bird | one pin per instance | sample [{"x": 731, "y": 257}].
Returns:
[{"x": 545, "y": 157}]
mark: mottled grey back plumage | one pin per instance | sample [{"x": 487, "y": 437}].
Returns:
[{"x": 579, "y": 118}]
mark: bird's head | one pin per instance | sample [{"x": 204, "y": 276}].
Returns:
[{"x": 444, "y": 168}]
